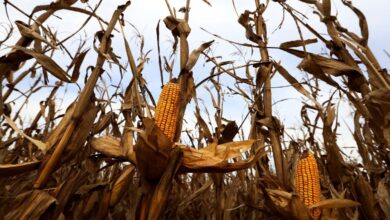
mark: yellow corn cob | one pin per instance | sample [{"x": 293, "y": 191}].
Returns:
[
  {"x": 167, "y": 109},
  {"x": 307, "y": 183}
]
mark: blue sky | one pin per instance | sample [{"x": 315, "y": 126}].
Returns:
[{"x": 220, "y": 19}]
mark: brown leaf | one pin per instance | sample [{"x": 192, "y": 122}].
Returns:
[
  {"x": 326, "y": 7},
  {"x": 244, "y": 20},
  {"x": 81, "y": 132},
  {"x": 327, "y": 65},
  {"x": 310, "y": 66},
  {"x": 279, "y": 197},
  {"x": 335, "y": 203},
  {"x": 296, "y": 84},
  {"x": 103, "y": 123},
  {"x": 383, "y": 197},
  {"x": 205, "y": 161},
  {"x": 230, "y": 130},
  {"x": 366, "y": 197},
  {"x": 202, "y": 124},
  {"x": 207, "y": 2},
  {"x": 299, "y": 209},
  {"x": 56, "y": 133},
  {"x": 109, "y": 146},
  {"x": 15, "y": 169},
  {"x": 193, "y": 58},
  {"x": 77, "y": 61},
  {"x": 298, "y": 43},
  {"x": 121, "y": 184},
  {"x": 214, "y": 154},
  {"x": 41, "y": 146},
  {"x": 65, "y": 191},
  {"x": 362, "y": 22},
  {"x": 330, "y": 115},
  {"x": 26, "y": 31},
  {"x": 47, "y": 63},
  {"x": 152, "y": 151},
  {"x": 30, "y": 205}
]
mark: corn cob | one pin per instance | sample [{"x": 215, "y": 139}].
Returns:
[
  {"x": 307, "y": 183},
  {"x": 167, "y": 109}
]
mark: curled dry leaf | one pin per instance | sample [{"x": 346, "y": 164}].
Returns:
[
  {"x": 77, "y": 61},
  {"x": 26, "y": 31},
  {"x": 195, "y": 55},
  {"x": 244, "y": 20}
]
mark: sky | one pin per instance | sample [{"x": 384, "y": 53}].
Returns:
[{"x": 221, "y": 19}]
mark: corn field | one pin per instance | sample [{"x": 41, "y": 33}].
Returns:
[{"x": 132, "y": 147}]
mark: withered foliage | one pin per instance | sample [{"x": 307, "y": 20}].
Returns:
[{"x": 90, "y": 161}]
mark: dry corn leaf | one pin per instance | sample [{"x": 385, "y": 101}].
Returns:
[
  {"x": 47, "y": 63},
  {"x": 203, "y": 125},
  {"x": 296, "y": 84},
  {"x": 77, "y": 61},
  {"x": 198, "y": 158},
  {"x": 57, "y": 132},
  {"x": 65, "y": 191},
  {"x": 335, "y": 203},
  {"x": 152, "y": 151},
  {"x": 383, "y": 197},
  {"x": 41, "y": 146},
  {"x": 328, "y": 65},
  {"x": 121, "y": 184},
  {"x": 312, "y": 67},
  {"x": 15, "y": 169},
  {"x": 230, "y": 130},
  {"x": 366, "y": 197},
  {"x": 205, "y": 161},
  {"x": 362, "y": 22},
  {"x": 330, "y": 115},
  {"x": 26, "y": 31},
  {"x": 196, "y": 194},
  {"x": 229, "y": 150},
  {"x": 298, "y": 43},
  {"x": 109, "y": 146},
  {"x": 326, "y": 8},
  {"x": 244, "y": 20},
  {"x": 30, "y": 205},
  {"x": 81, "y": 132},
  {"x": 103, "y": 123},
  {"x": 193, "y": 58},
  {"x": 279, "y": 197},
  {"x": 298, "y": 209}
]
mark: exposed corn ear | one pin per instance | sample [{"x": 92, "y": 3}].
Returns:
[
  {"x": 167, "y": 109},
  {"x": 307, "y": 183}
]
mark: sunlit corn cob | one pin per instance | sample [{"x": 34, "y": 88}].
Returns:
[
  {"x": 167, "y": 109},
  {"x": 307, "y": 183}
]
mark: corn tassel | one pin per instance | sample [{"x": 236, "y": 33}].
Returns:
[
  {"x": 167, "y": 109},
  {"x": 307, "y": 183}
]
